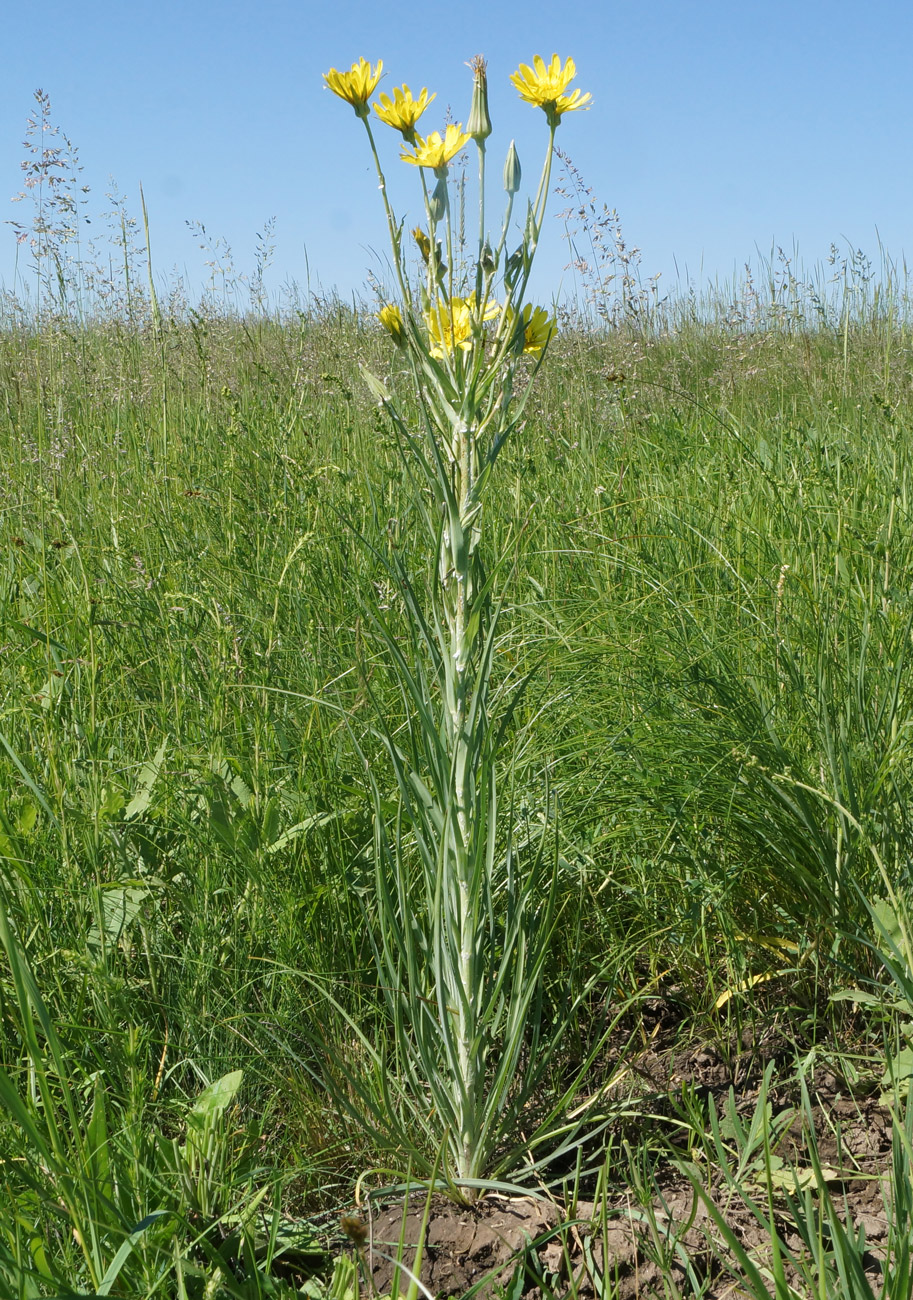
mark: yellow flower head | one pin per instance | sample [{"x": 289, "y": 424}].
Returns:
[
  {"x": 450, "y": 327},
  {"x": 432, "y": 151},
  {"x": 431, "y": 254},
  {"x": 545, "y": 86},
  {"x": 451, "y": 324},
  {"x": 391, "y": 318},
  {"x": 357, "y": 85},
  {"x": 538, "y": 328},
  {"x": 402, "y": 111}
]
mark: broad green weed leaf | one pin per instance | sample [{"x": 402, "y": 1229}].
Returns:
[
  {"x": 220, "y": 821},
  {"x": 861, "y": 998},
  {"x": 98, "y": 1154},
  {"x": 270, "y": 826},
  {"x": 301, "y": 828},
  {"x": 888, "y": 922},
  {"x": 241, "y": 790},
  {"x": 898, "y": 1075},
  {"x": 120, "y": 906},
  {"x": 791, "y": 1180},
  {"x": 112, "y": 803},
  {"x": 28, "y": 815},
  {"x": 297, "y": 1241},
  {"x": 215, "y": 1099},
  {"x": 378, "y": 390},
  {"x": 125, "y": 1251},
  {"x": 147, "y": 779}
]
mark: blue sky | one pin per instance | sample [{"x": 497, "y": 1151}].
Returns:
[{"x": 716, "y": 128}]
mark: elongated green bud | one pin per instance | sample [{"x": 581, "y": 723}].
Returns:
[
  {"x": 437, "y": 202},
  {"x": 479, "y": 124},
  {"x": 512, "y": 171},
  {"x": 513, "y": 267}
]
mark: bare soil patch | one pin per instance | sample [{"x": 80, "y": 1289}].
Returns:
[{"x": 637, "y": 1240}]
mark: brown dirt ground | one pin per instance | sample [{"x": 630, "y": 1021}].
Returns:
[{"x": 464, "y": 1247}]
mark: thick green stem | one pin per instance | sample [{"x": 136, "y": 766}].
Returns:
[
  {"x": 392, "y": 227},
  {"x": 538, "y": 216},
  {"x": 479, "y": 274},
  {"x": 504, "y": 228},
  {"x": 542, "y": 192},
  {"x": 448, "y": 226},
  {"x": 430, "y": 269},
  {"x": 458, "y": 589}
]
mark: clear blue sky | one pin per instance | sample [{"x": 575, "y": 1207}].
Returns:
[{"x": 716, "y": 128}]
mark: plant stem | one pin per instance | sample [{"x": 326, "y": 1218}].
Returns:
[
  {"x": 480, "y": 301},
  {"x": 392, "y": 226}
]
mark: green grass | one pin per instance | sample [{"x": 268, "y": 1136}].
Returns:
[{"x": 712, "y": 590}]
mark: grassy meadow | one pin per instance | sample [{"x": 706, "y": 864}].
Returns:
[{"x": 706, "y": 525}]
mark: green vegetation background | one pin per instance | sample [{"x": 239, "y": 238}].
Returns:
[{"x": 712, "y": 591}]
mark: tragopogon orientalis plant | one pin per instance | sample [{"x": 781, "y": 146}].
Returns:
[{"x": 464, "y": 912}]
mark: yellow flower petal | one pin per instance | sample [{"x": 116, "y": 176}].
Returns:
[
  {"x": 403, "y": 110},
  {"x": 391, "y": 318},
  {"x": 436, "y": 152},
  {"x": 452, "y": 323},
  {"x": 539, "y": 327},
  {"x": 449, "y": 327},
  {"x": 544, "y": 85},
  {"x": 357, "y": 85}
]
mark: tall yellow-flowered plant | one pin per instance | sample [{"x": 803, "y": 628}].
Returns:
[{"x": 463, "y": 913}]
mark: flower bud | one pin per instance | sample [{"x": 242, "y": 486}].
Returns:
[
  {"x": 512, "y": 170},
  {"x": 479, "y": 124},
  {"x": 487, "y": 260},
  {"x": 391, "y": 318},
  {"x": 529, "y": 230},
  {"x": 513, "y": 267},
  {"x": 438, "y": 201}
]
